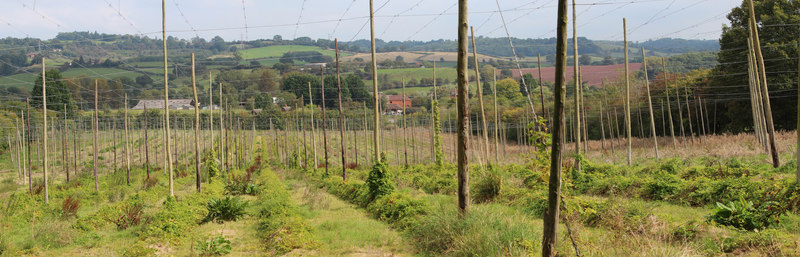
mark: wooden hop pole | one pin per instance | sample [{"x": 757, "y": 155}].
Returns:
[
  {"x": 94, "y": 133},
  {"x": 128, "y": 154},
  {"x": 551, "y": 216},
  {"x": 166, "y": 100},
  {"x": 341, "y": 113},
  {"x": 650, "y": 104},
  {"x": 196, "y": 129},
  {"x": 377, "y": 118},
  {"x": 44, "y": 133},
  {"x": 764, "y": 90},
  {"x": 577, "y": 81},
  {"x": 480, "y": 96},
  {"x": 463, "y": 112},
  {"x": 627, "y": 92},
  {"x": 669, "y": 108}
]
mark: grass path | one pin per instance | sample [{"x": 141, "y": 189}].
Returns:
[{"x": 342, "y": 229}]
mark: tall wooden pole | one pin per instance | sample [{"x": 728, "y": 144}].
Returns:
[
  {"x": 65, "y": 158},
  {"x": 463, "y": 110},
  {"x": 211, "y": 111},
  {"x": 551, "y": 216},
  {"x": 764, "y": 89},
  {"x": 313, "y": 130},
  {"x": 480, "y": 96},
  {"x": 146, "y": 144},
  {"x": 128, "y": 154},
  {"x": 497, "y": 117},
  {"x": 324, "y": 132},
  {"x": 377, "y": 120},
  {"x": 28, "y": 141},
  {"x": 166, "y": 100},
  {"x": 577, "y": 81},
  {"x": 405, "y": 126},
  {"x": 627, "y": 92},
  {"x": 196, "y": 129},
  {"x": 669, "y": 108},
  {"x": 541, "y": 84},
  {"x": 650, "y": 104},
  {"x": 341, "y": 113},
  {"x": 44, "y": 133},
  {"x": 94, "y": 133},
  {"x": 689, "y": 113}
]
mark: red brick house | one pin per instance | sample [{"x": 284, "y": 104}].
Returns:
[{"x": 398, "y": 100}]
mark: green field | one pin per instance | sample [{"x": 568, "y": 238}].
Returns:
[{"x": 278, "y": 51}]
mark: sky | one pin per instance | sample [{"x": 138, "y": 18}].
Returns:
[{"x": 420, "y": 20}]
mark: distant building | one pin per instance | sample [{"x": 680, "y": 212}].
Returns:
[
  {"x": 394, "y": 109},
  {"x": 213, "y": 107},
  {"x": 174, "y": 104},
  {"x": 398, "y": 100}
]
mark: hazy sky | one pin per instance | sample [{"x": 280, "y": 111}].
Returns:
[{"x": 396, "y": 20}]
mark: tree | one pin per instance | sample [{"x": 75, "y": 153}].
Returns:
[
  {"x": 781, "y": 51},
  {"x": 509, "y": 88},
  {"x": 218, "y": 44},
  {"x": 58, "y": 94},
  {"x": 144, "y": 80},
  {"x": 585, "y": 60},
  {"x": 267, "y": 81},
  {"x": 262, "y": 101}
]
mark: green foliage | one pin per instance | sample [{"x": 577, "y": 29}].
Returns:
[
  {"x": 378, "y": 181},
  {"x": 487, "y": 187},
  {"x": 69, "y": 207},
  {"x": 279, "y": 223},
  {"x": 58, "y": 94},
  {"x": 744, "y": 215},
  {"x": 662, "y": 186},
  {"x": 487, "y": 230},
  {"x": 241, "y": 184},
  {"x": 131, "y": 215},
  {"x": 225, "y": 209},
  {"x": 397, "y": 208},
  {"x": 218, "y": 246},
  {"x": 437, "y": 138}
]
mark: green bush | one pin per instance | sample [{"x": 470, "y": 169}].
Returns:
[
  {"x": 378, "y": 181},
  {"x": 224, "y": 209},
  {"x": 218, "y": 246},
  {"x": 662, "y": 186},
  {"x": 743, "y": 214},
  {"x": 487, "y": 187},
  {"x": 397, "y": 208}
]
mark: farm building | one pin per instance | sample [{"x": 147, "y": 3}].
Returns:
[
  {"x": 398, "y": 100},
  {"x": 174, "y": 104}
]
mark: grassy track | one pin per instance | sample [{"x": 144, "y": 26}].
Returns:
[{"x": 343, "y": 230}]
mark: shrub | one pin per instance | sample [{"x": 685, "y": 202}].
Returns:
[
  {"x": 743, "y": 214},
  {"x": 662, "y": 186},
  {"x": 131, "y": 215},
  {"x": 241, "y": 184},
  {"x": 487, "y": 187},
  {"x": 218, "y": 246},
  {"x": 225, "y": 209},
  {"x": 685, "y": 232},
  {"x": 378, "y": 181},
  {"x": 150, "y": 182},
  {"x": 397, "y": 208},
  {"x": 69, "y": 207}
]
